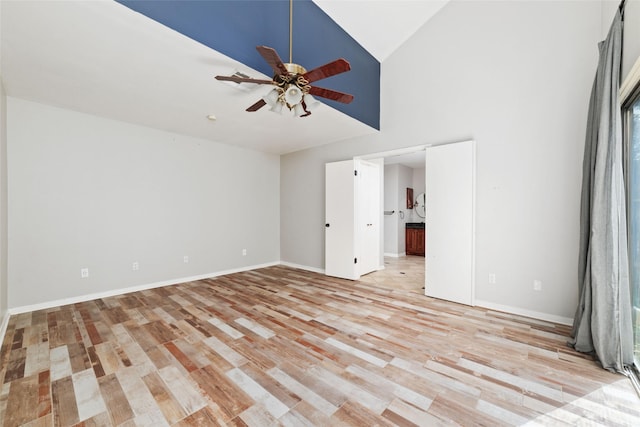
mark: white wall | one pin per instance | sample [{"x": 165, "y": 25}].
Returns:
[
  {"x": 418, "y": 184},
  {"x": 516, "y": 77},
  {"x": 405, "y": 180},
  {"x": 391, "y": 196},
  {"x": 91, "y": 192},
  {"x": 3, "y": 203},
  {"x": 397, "y": 179},
  {"x": 4, "y": 278},
  {"x": 631, "y": 46}
]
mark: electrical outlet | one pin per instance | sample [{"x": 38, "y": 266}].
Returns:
[
  {"x": 135, "y": 266},
  {"x": 84, "y": 273},
  {"x": 537, "y": 285},
  {"x": 186, "y": 259},
  {"x": 244, "y": 252},
  {"x": 492, "y": 278}
]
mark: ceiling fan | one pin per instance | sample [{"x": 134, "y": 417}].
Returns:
[{"x": 292, "y": 82}]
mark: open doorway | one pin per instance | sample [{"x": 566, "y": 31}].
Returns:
[
  {"x": 403, "y": 222},
  {"x": 449, "y": 222}
]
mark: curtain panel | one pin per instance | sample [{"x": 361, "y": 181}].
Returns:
[{"x": 602, "y": 323}]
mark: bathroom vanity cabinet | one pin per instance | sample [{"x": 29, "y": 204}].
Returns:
[{"x": 414, "y": 238}]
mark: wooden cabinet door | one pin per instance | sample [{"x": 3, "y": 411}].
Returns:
[
  {"x": 420, "y": 242},
  {"x": 414, "y": 241}
]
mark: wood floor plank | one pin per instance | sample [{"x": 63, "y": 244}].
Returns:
[
  {"x": 23, "y": 399},
  {"x": 59, "y": 363},
  {"x": 46, "y": 421},
  {"x": 87, "y": 393},
  {"x": 116, "y": 401},
  {"x": 96, "y": 364},
  {"x": 353, "y": 414},
  {"x": 44, "y": 394},
  {"x": 15, "y": 365},
  {"x": 99, "y": 420},
  {"x": 201, "y": 418},
  {"x": 138, "y": 396},
  {"x": 180, "y": 356},
  {"x": 78, "y": 357},
  {"x": 65, "y": 408},
  {"x": 400, "y": 412},
  {"x": 167, "y": 403},
  {"x": 221, "y": 390},
  {"x": 281, "y": 346},
  {"x": 184, "y": 389}
]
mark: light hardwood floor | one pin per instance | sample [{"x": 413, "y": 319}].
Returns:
[
  {"x": 280, "y": 346},
  {"x": 405, "y": 272}
]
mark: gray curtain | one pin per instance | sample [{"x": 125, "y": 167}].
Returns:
[{"x": 602, "y": 323}]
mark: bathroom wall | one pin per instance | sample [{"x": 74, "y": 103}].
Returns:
[
  {"x": 418, "y": 183},
  {"x": 397, "y": 179},
  {"x": 391, "y": 196}
]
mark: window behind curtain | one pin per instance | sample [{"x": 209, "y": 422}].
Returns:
[{"x": 631, "y": 110}]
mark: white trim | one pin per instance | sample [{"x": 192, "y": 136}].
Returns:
[
  {"x": 407, "y": 150},
  {"x": 394, "y": 255},
  {"x": 303, "y": 267},
  {"x": 630, "y": 81},
  {"x": 3, "y": 327},
  {"x": 524, "y": 312},
  {"x": 474, "y": 210},
  {"x": 121, "y": 291},
  {"x": 391, "y": 153}
]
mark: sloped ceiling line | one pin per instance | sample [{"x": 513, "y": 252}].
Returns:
[{"x": 235, "y": 28}]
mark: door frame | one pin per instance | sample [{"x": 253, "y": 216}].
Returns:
[
  {"x": 382, "y": 155},
  {"x": 425, "y": 147}
]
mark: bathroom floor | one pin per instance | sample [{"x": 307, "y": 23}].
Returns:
[{"x": 405, "y": 273}]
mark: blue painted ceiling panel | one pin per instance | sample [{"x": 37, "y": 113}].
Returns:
[{"x": 235, "y": 28}]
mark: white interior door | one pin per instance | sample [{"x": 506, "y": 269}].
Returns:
[
  {"x": 368, "y": 223},
  {"x": 340, "y": 220},
  {"x": 450, "y": 222}
]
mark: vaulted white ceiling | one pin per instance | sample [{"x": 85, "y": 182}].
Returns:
[
  {"x": 101, "y": 58},
  {"x": 381, "y": 26}
]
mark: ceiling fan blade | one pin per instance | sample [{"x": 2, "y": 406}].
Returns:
[
  {"x": 271, "y": 56},
  {"x": 345, "y": 98},
  {"x": 258, "y": 105},
  {"x": 243, "y": 80},
  {"x": 327, "y": 70}
]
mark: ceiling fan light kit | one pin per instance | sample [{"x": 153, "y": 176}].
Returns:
[{"x": 293, "y": 82}]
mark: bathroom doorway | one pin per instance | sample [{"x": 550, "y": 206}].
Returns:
[
  {"x": 403, "y": 170},
  {"x": 449, "y": 179}
]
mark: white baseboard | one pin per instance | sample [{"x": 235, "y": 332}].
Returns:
[
  {"x": 3, "y": 327},
  {"x": 88, "y": 297},
  {"x": 302, "y": 267},
  {"x": 392, "y": 255},
  {"x": 524, "y": 312},
  {"x": 114, "y": 292}
]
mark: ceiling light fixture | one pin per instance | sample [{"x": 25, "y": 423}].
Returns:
[
  {"x": 293, "y": 82},
  {"x": 292, "y": 87}
]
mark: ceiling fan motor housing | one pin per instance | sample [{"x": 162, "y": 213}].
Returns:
[
  {"x": 295, "y": 68},
  {"x": 292, "y": 86}
]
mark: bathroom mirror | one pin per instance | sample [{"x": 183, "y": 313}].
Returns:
[
  {"x": 419, "y": 206},
  {"x": 409, "y": 198}
]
